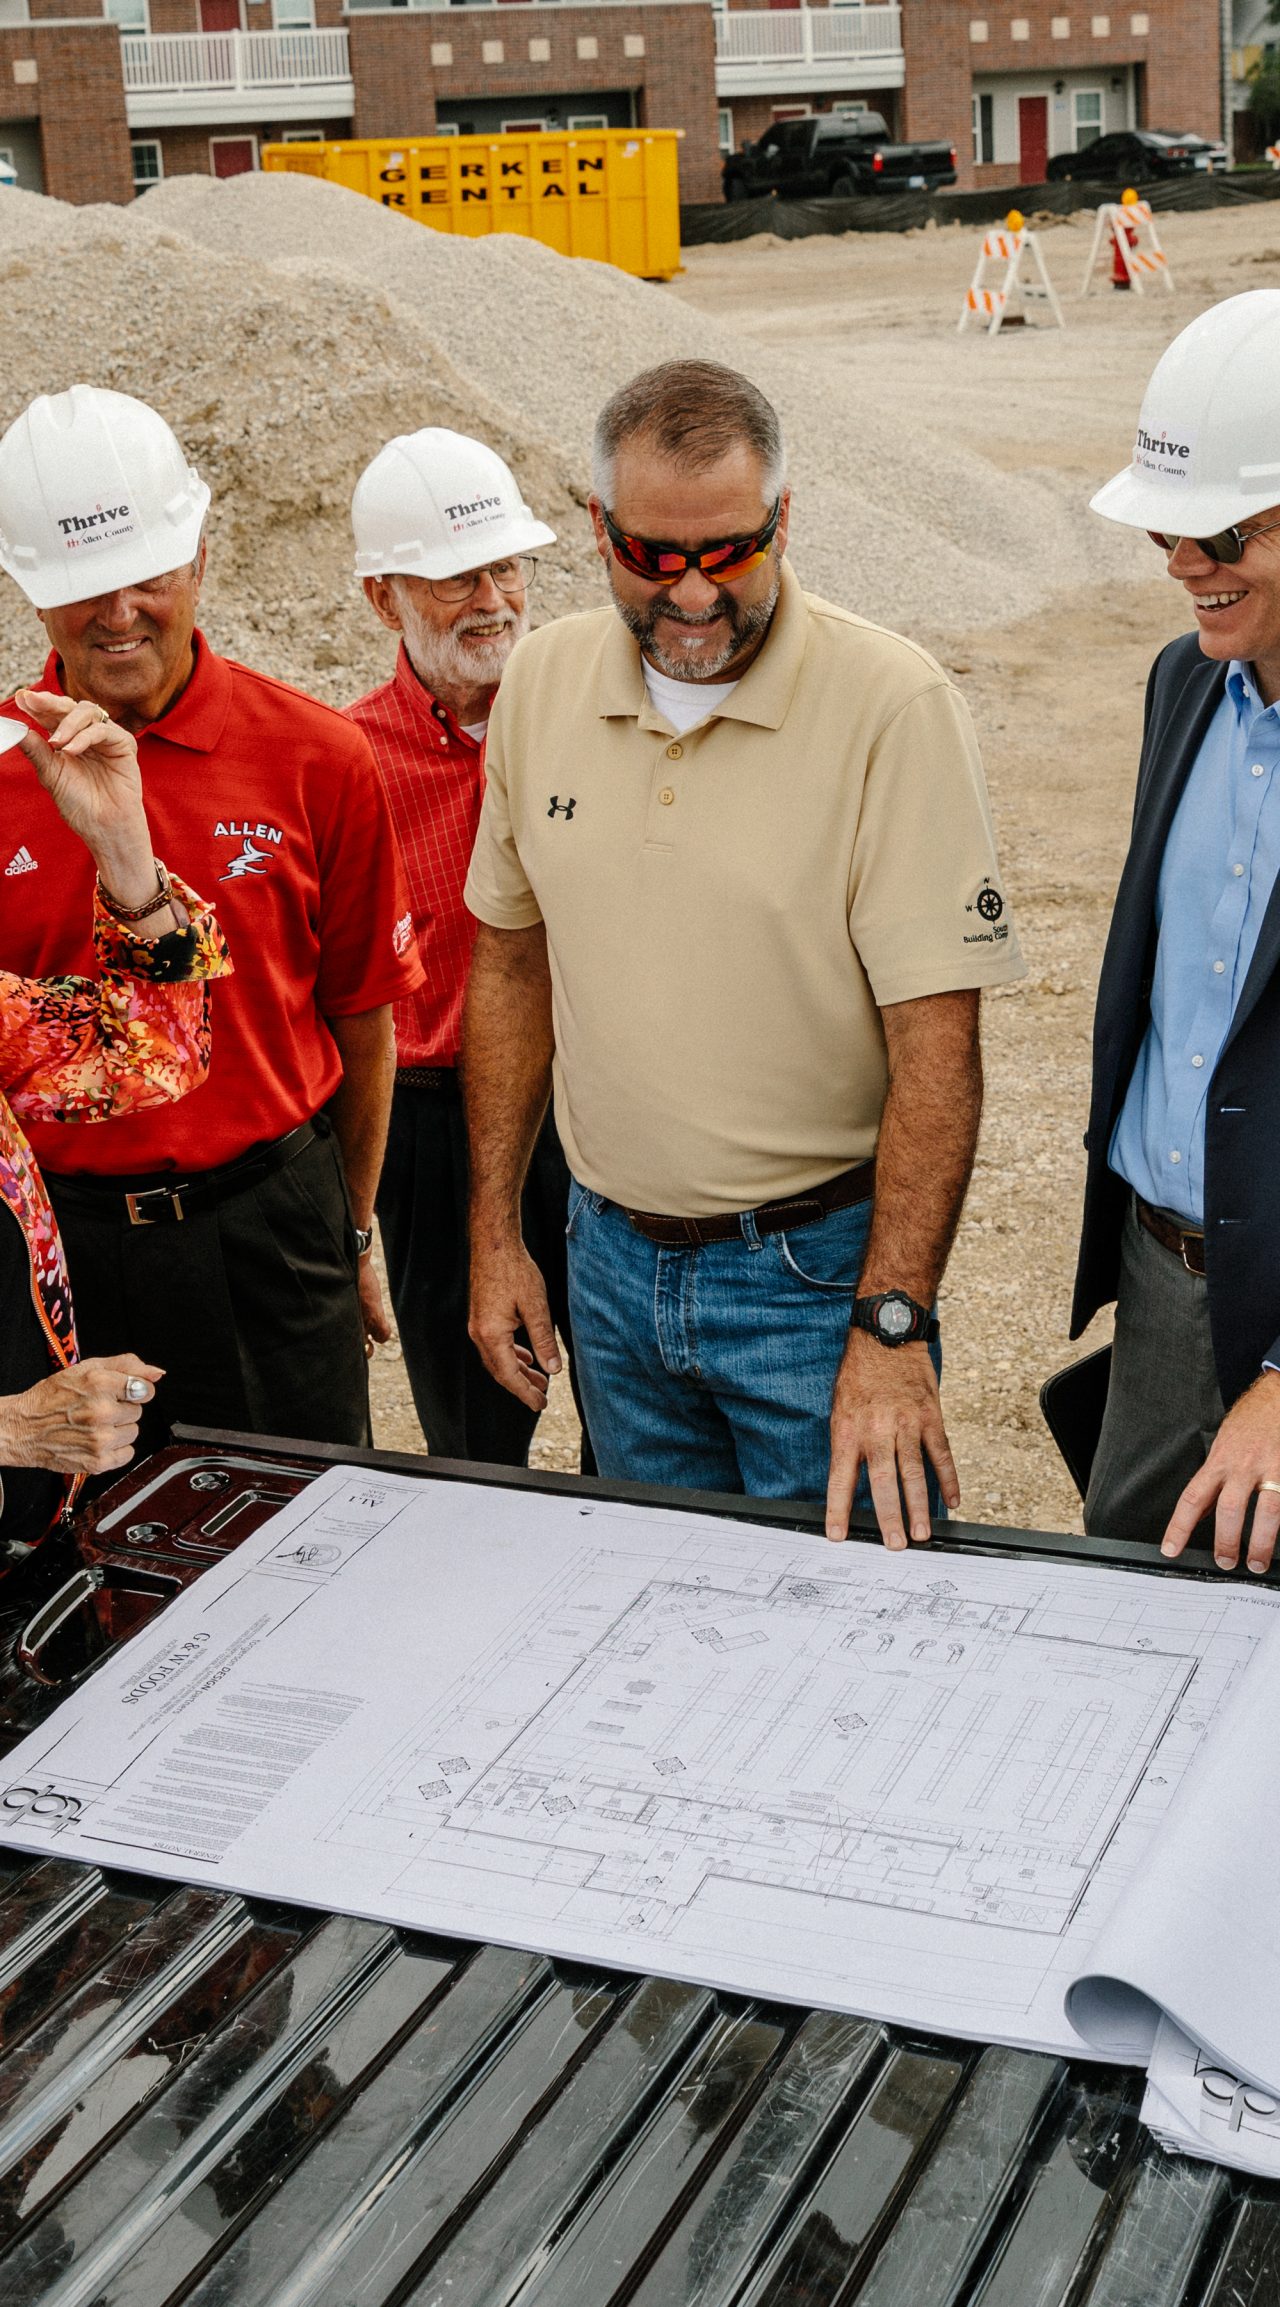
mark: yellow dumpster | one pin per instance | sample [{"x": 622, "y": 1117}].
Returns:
[{"x": 610, "y": 193}]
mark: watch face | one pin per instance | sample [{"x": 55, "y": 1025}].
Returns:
[{"x": 895, "y": 1318}]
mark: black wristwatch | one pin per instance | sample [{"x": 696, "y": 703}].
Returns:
[{"x": 894, "y": 1318}]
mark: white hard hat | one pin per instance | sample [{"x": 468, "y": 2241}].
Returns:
[
  {"x": 433, "y": 504},
  {"x": 95, "y": 494},
  {"x": 1208, "y": 448}
]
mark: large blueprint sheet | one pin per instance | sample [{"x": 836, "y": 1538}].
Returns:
[{"x": 910, "y": 1786}]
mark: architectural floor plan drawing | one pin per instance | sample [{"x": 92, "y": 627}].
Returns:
[
  {"x": 916, "y": 1751},
  {"x": 911, "y": 1786}
]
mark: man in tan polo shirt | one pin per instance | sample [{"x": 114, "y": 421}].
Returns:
[{"x": 738, "y": 892}]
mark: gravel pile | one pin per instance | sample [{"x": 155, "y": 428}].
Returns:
[{"x": 287, "y": 328}]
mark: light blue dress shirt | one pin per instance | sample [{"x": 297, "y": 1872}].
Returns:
[{"x": 1219, "y": 867}]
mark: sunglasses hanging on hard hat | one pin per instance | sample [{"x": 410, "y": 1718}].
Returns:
[
  {"x": 1226, "y": 548},
  {"x": 513, "y": 575},
  {"x": 663, "y": 564}
]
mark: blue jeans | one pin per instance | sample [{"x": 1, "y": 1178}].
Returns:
[{"x": 713, "y": 1369}]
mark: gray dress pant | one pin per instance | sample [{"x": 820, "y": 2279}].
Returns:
[{"x": 1163, "y": 1406}]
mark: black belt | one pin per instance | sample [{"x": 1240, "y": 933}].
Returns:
[
  {"x": 163, "y": 1201},
  {"x": 838, "y": 1193},
  {"x": 426, "y": 1076}
]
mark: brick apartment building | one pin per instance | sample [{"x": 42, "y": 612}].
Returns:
[{"x": 104, "y": 97}]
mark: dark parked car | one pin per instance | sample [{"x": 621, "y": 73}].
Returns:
[
  {"x": 1132, "y": 156},
  {"x": 1206, "y": 153},
  {"x": 833, "y": 153}
]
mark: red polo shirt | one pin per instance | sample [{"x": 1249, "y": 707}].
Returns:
[
  {"x": 270, "y": 805},
  {"x": 434, "y": 776}
]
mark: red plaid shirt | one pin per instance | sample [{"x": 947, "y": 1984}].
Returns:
[{"x": 434, "y": 776}]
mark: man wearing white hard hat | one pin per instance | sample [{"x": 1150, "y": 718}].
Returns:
[
  {"x": 1182, "y": 1209},
  {"x": 225, "y": 1239},
  {"x": 444, "y": 546}
]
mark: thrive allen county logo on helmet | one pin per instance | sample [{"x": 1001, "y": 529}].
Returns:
[
  {"x": 1168, "y": 455},
  {"x": 103, "y": 526}
]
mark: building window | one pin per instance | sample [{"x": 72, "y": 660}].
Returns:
[
  {"x": 588, "y": 120},
  {"x": 523, "y": 127},
  {"x": 984, "y": 130},
  {"x": 233, "y": 155},
  {"x": 445, "y": 128},
  {"x": 130, "y": 15},
  {"x": 294, "y": 15},
  {"x": 148, "y": 164},
  {"x": 1087, "y": 103}
]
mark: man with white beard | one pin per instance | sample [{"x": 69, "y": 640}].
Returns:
[{"x": 443, "y": 546}]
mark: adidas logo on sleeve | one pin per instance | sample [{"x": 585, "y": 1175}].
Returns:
[{"x": 22, "y": 861}]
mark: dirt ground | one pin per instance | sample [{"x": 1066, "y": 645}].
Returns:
[{"x": 1057, "y": 698}]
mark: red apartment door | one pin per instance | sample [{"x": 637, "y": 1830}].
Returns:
[
  {"x": 219, "y": 15},
  {"x": 233, "y": 155},
  {"x": 1033, "y": 138}
]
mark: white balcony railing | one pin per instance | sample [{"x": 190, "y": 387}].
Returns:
[
  {"x": 764, "y": 36},
  {"x": 234, "y": 63}
]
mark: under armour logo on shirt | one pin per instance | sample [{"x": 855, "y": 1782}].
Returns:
[{"x": 561, "y": 808}]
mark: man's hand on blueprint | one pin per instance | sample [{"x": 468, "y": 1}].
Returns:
[
  {"x": 1242, "y": 1468},
  {"x": 886, "y": 1414}
]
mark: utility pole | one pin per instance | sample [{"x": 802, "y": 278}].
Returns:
[{"x": 1226, "y": 34}]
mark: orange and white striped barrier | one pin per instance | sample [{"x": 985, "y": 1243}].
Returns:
[
  {"x": 1023, "y": 286},
  {"x": 1125, "y": 239},
  {"x": 1273, "y": 155}
]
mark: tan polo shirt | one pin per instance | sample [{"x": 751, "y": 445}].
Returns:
[{"x": 728, "y": 911}]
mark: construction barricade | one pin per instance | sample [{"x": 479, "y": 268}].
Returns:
[
  {"x": 1010, "y": 281},
  {"x": 1125, "y": 237}
]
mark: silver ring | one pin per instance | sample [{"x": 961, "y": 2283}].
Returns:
[
  {"x": 1270, "y": 1486},
  {"x": 137, "y": 1390},
  {"x": 102, "y": 713}
]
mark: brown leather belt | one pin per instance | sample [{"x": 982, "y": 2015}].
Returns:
[
  {"x": 1189, "y": 1246},
  {"x": 838, "y": 1193}
]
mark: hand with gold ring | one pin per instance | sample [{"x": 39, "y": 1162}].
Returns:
[
  {"x": 89, "y": 767},
  {"x": 1241, "y": 1471}
]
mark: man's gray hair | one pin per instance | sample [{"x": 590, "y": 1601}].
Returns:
[{"x": 692, "y": 412}]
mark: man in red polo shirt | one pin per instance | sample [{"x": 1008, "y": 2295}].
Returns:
[
  {"x": 224, "y": 1238},
  {"x": 444, "y": 544}
]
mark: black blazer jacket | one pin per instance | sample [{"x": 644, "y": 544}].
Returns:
[{"x": 1242, "y": 1121}]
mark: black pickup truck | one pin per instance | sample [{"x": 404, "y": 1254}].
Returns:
[{"x": 831, "y": 153}]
